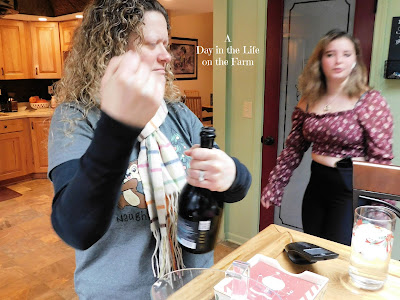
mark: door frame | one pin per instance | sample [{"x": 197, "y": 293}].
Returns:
[
  {"x": 363, "y": 30},
  {"x": 273, "y": 65}
]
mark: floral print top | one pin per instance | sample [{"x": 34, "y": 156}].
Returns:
[{"x": 364, "y": 131}]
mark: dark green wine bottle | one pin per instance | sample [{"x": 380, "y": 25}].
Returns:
[{"x": 200, "y": 211}]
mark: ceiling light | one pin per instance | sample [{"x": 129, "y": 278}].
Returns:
[
  {"x": 79, "y": 16},
  {"x": 42, "y": 19}
]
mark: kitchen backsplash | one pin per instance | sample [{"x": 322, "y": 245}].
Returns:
[{"x": 24, "y": 88}]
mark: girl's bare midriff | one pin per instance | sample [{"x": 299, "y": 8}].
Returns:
[{"x": 329, "y": 160}]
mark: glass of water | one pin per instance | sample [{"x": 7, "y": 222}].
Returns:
[{"x": 371, "y": 246}]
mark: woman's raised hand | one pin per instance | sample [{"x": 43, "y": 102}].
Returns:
[{"x": 130, "y": 92}]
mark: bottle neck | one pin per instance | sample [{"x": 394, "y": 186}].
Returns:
[
  {"x": 207, "y": 142},
  {"x": 207, "y": 136}
]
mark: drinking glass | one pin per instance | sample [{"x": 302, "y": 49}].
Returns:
[{"x": 371, "y": 246}]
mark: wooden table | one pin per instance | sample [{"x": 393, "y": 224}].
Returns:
[{"x": 271, "y": 242}]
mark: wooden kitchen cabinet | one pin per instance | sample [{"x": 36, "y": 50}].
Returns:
[
  {"x": 67, "y": 29},
  {"x": 39, "y": 134},
  {"x": 13, "y": 149},
  {"x": 13, "y": 50},
  {"x": 23, "y": 148},
  {"x": 46, "y": 55}
]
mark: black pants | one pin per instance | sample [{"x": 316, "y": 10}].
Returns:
[{"x": 327, "y": 210}]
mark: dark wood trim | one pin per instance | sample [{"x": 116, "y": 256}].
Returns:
[
  {"x": 273, "y": 64},
  {"x": 363, "y": 30},
  {"x": 23, "y": 178}
]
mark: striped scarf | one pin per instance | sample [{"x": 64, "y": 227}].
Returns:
[{"x": 163, "y": 177}]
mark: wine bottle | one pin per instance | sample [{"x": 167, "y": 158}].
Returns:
[{"x": 200, "y": 211}]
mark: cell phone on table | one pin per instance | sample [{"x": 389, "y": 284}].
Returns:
[{"x": 303, "y": 253}]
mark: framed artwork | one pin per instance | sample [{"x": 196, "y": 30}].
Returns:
[{"x": 184, "y": 63}]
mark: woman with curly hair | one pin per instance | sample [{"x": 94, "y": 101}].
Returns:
[
  {"x": 343, "y": 118},
  {"x": 119, "y": 149}
]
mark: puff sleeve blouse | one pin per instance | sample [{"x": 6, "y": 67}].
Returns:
[{"x": 365, "y": 131}]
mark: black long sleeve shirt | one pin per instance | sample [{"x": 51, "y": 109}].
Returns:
[{"x": 87, "y": 189}]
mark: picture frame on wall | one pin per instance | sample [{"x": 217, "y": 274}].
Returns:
[{"x": 184, "y": 58}]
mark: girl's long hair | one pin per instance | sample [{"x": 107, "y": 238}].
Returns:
[
  {"x": 312, "y": 81},
  {"x": 102, "y": 35}
]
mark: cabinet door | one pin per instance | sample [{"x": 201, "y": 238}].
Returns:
[
  {"x": 67, "y": 30},
  {"x": 39, "y": 134},
  {"x": 12, "y": 155},
  {"x": 46, "y": 57},
  {"x": 13, "y": 50}
]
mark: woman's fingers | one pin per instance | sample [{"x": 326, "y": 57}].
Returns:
[
  {"x": 212, "y": 169},
  {"x": 204, "y": 159},
  {"x": 198, "y": 153},
  {"x": 129, "y": 61},
  {"x": 118, "y": 64},
  {"x": 200, "y": 175},
  {"x": 202, "y": 179},
  {"x": 133, "y": 72},
  {"x": 189, "y": 151},
  {"x": 210, "y": 160},
  {"x": 130, "y": 92},
  {"x": 112, "y": 67}
]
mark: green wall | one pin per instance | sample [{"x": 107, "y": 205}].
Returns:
[
  {"x": 245, "y": 23},
  {"x": 390, "y": 88}
]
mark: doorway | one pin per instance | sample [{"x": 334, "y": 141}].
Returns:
[{"x": 301, "y": 25}]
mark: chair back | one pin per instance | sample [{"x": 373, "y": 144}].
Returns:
[
  {"x": 194, "y": 104},
  {"x": 191, "y": 93},
  {"x": 375, "y": 182}
]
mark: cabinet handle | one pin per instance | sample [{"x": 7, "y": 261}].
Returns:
[
  {"x": 2, "y": 71},
  {"x": 5, "y": 126},
  {"x": 32, "y": 125},
  {"x": 36, "y": 70}
]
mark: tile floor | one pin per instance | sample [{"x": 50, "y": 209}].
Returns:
[{"x": 34, "y": 262}]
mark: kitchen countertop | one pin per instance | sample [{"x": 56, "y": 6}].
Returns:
[{"x": 25, "y": 111}]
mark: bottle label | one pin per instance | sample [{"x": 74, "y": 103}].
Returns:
[
  {"x": 188, "y": 233},
  {"x": 205, "y": 225},
  {"x": 198, "y": 236}
]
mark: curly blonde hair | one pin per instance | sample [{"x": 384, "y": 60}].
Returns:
[
  {"x": 312, "y": 81},
  {"x": 102, "y": 35}
]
